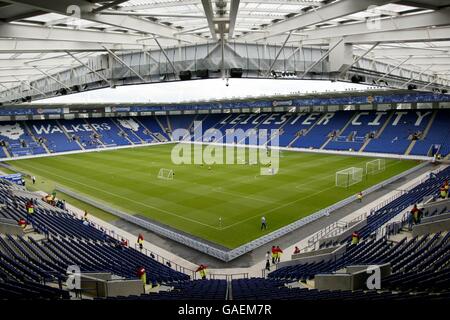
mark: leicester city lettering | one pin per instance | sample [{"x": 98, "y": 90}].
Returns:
[
  {"x": 73, "y": 128},
  {"x": 307, "y": 119}
]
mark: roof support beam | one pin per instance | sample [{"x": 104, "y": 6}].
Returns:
[
  {"x": 392, "y": 70},
  {"x": 278, "y": 54},
  {"x": 357, "y": 32},
  {"x": 166, "y": 56},
  {"x": 418, "y": 76},
  {"x": 124, "y": 64},
  {"x": 142, "y": 14},
  {"x": 17, "y": 31},
  {"x": 393, "y": 51},
  {"x": 86, "y": 7},
  {"x": 328, "y": 12},
  {"x": 207, "y": 7},
  {"x": 108, "y": 5},
  {"x": 158, "y": 5},
  {"x": 357, "y": 59},
  {"x": 88, "y": 67},
  {"x": 31, "y": 87},
  {"x": 52, "y": 77},
  {"x": 27, "y": 46},
  {"x": 234, "y": 7},
  {"x": 321, "y": 58},
  {"x": 427, "y": 60}
]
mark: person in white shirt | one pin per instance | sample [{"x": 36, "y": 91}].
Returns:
[{"x": 263, "y": 223}]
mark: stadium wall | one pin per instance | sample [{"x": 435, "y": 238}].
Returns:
[
  {"x": 324, "y": 151},
  {"x": 84, "y": 151}
]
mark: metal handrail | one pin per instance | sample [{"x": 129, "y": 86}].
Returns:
[{"x": 164, "y": 261}]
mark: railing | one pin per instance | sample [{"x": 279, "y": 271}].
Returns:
[
  {"x": 228, "y": 277},
  {"x": 327, "y": 231},
  {"x": 166, "y": 262}
]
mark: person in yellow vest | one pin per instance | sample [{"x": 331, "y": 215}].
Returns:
[
  {"x": 359, "y": 196},
  {"x": 142, "y": 275},
  {"x": 355, "y": 237},
  {"x": 279, "y": 252},
  {"x": 140, "y": 241},
  {"x": 30, "y": 210},
  {"x": 446, "y": 187},
  {"x": 442, "y": 192},
  {"x": 202, "y": 271},
  {"x": 274, "y": 254}
]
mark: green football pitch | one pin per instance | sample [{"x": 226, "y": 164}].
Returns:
[{"x": 222, "y": 203}]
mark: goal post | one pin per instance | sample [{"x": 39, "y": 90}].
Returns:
[
  {"x": 348, "y": 177},
  {"x": 375, "y": 166},
  {"x": 165, "y": 174}
]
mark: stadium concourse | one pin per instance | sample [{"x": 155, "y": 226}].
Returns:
[{"x": 339, "y": 114}]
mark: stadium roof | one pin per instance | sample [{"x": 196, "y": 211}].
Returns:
[{"x": 48, "y": 46}]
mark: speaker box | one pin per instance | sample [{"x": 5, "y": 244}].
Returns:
[
  {"x": 204, "y": 73},
  {"x": 236, "y": 72},
  {"x": 357, "y": 79},
  {"x": 185, "y": 75}
]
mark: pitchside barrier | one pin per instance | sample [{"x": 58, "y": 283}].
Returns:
[
  {"x": 228, "y": 255},
  {"x": 336, "y": 152},
  {"x": 86, "y": 151}
]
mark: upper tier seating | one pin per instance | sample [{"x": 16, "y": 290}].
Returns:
[
  {"x": 356, "y": 133},
  {"x": 395, "y": 137},
  {"x": 341, "y": 130},
  {"x": 438, "y": 130}
]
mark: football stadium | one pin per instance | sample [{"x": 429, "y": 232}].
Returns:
[{"x": 225, "y": 150}]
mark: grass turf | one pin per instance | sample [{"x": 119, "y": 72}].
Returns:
[{"x": 198, "y": 196}]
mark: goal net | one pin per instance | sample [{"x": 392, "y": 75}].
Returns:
[
  {"x": 375, "y": 166},
  {"x": 348, "y": 177},
  {"x": 165, "y": 174}
]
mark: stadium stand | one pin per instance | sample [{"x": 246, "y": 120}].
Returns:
[
  {"x": 187, "y": 290},
  {"x": 363, "y": 124},
  {"x": 434, "y": 136},
  {"x": 397, "y": 136},
  {"x": 39, "y": 260},
  {"x": 34, "y": 260},
  {"x": 341, "y": 130}
]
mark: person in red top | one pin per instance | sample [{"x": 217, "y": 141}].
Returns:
[
  {"x": 202, "y": 270},
  {"x": 140, "y": 241},
  {"x": 274, "y": 254},
  {"x": 355, "y": 237},
  {"x": 142, "y": 274},
  {"x": 279, "y": 253},
  {"x": 296, "y": 250},
  {"x": 22, "y": 223},
  {"x": 29, "y": 206},
  {"x": 124, "y": 243},
  {"x": 415, "y": 216}
]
